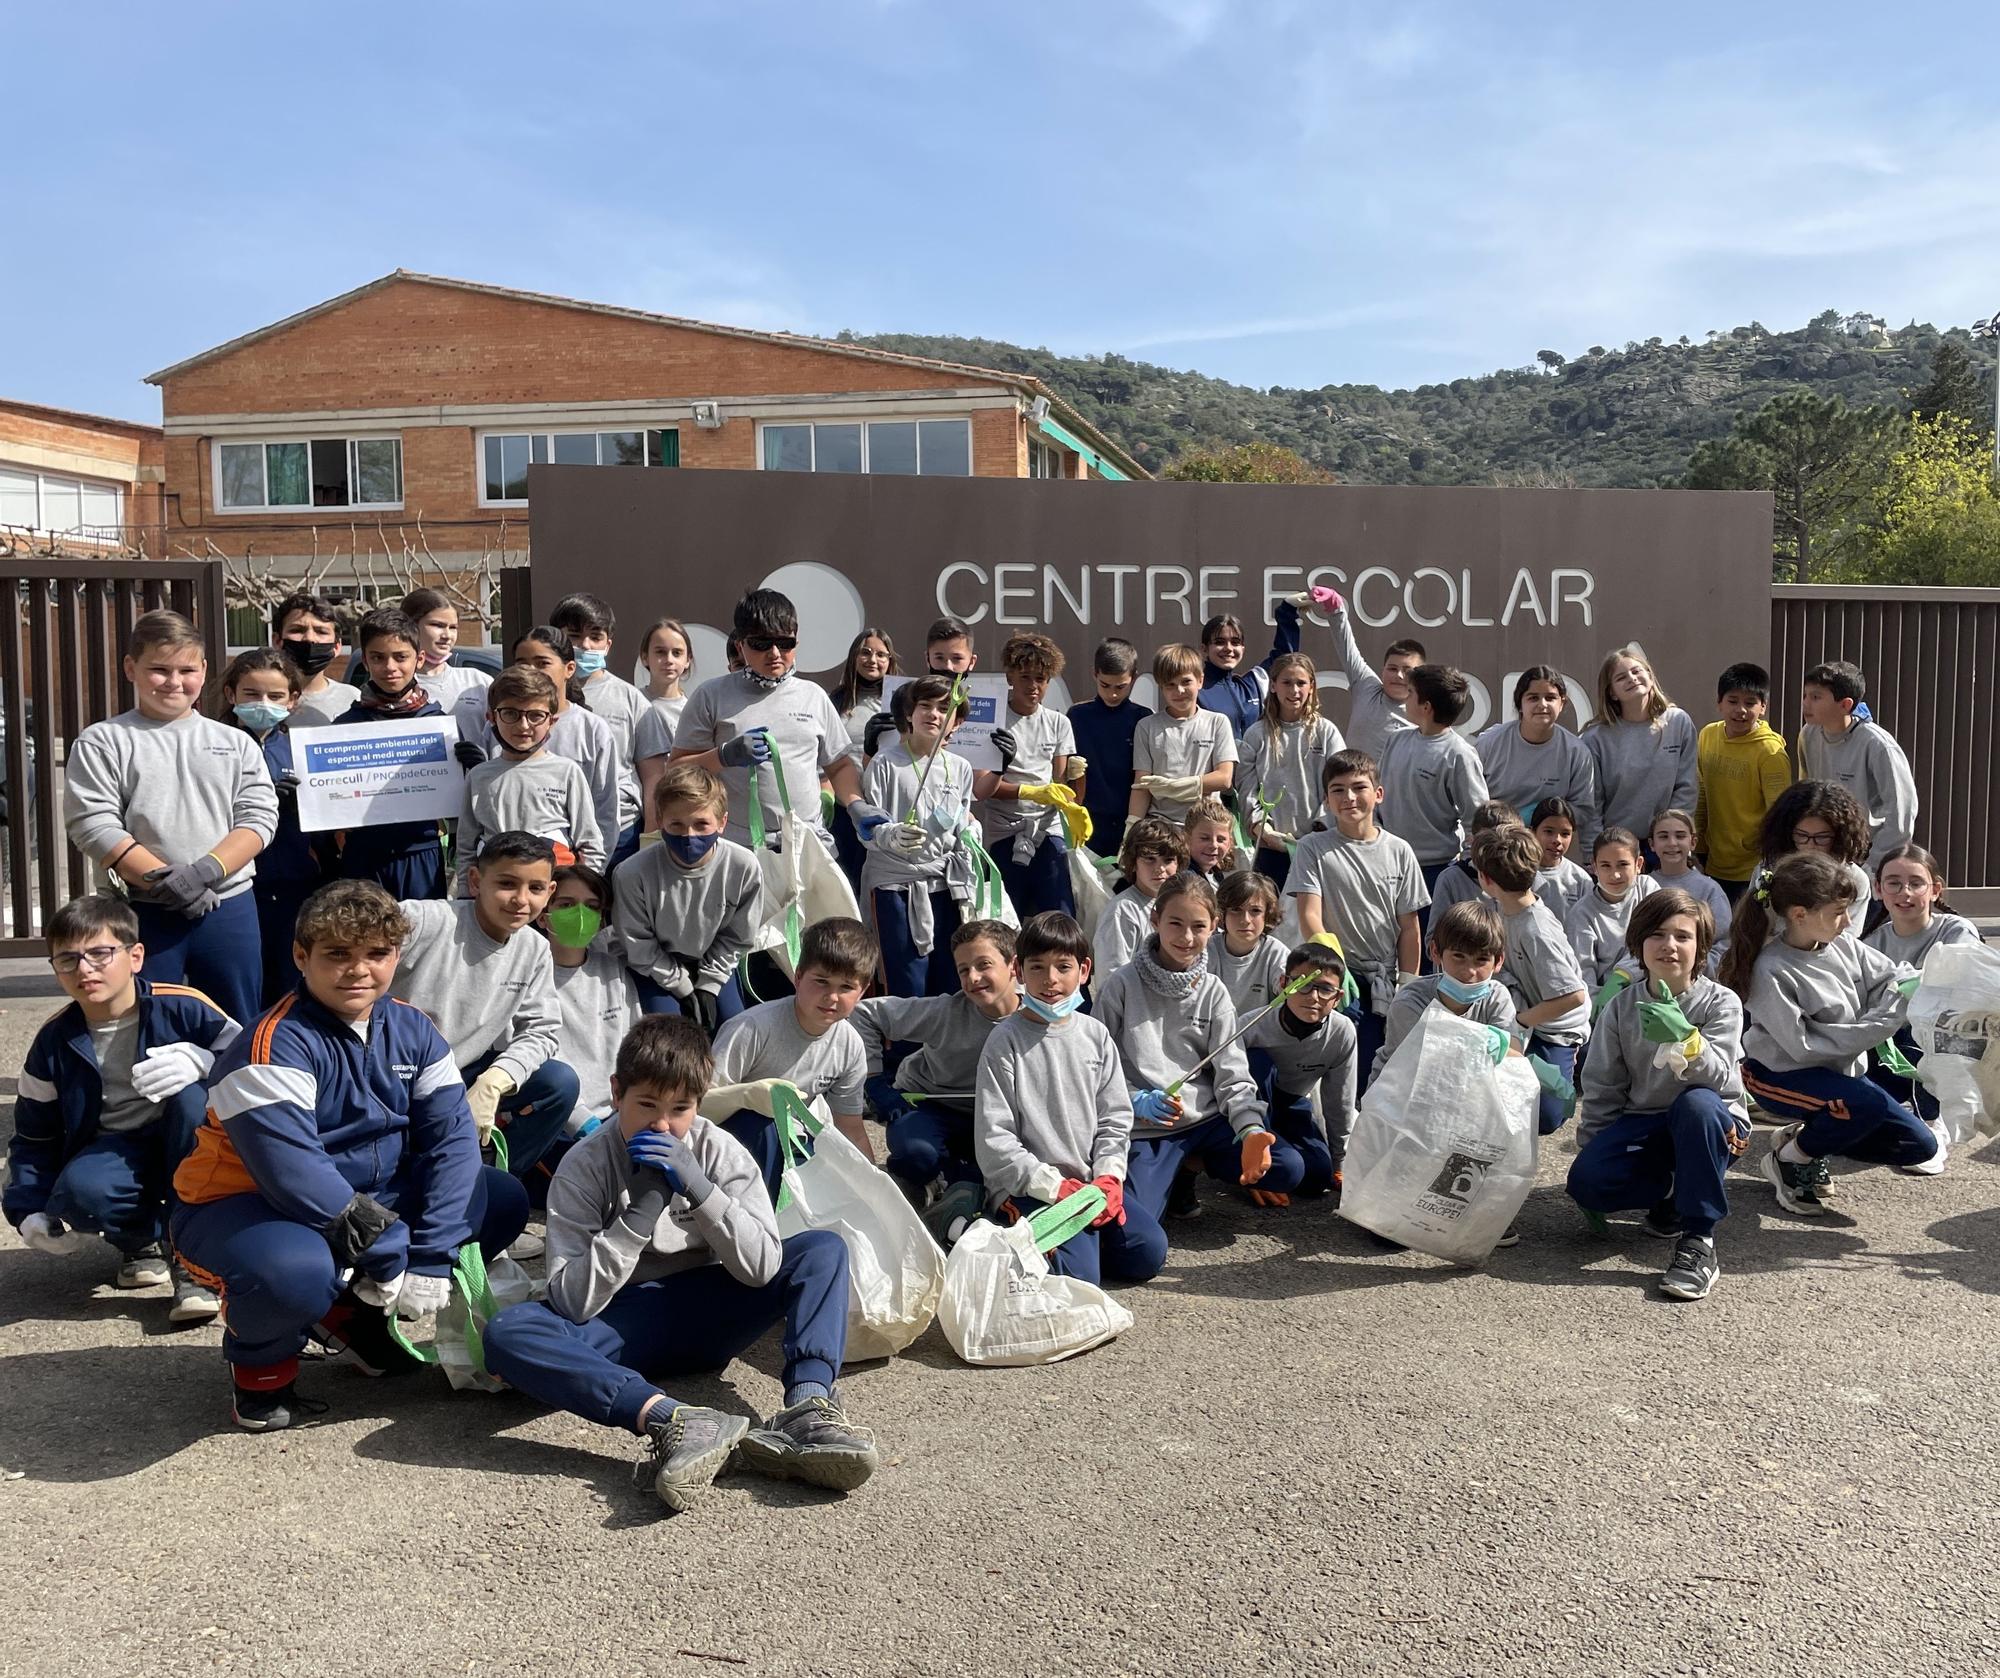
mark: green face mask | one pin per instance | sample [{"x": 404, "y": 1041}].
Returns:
[{"x": 575, "y": 925}]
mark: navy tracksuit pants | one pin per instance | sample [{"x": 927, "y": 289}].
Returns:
[
  {"x": 119, "y": 1184},
  {"x": 1848, "y": 1118},
  {"x": 904, "y": 971},
  {"x": 220, "y": 953},
  {"x": 1640, "y": 1159},
  {"x": 1134, "y": 1251}
]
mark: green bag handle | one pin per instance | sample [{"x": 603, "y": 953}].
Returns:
[
  {"x": 499, "y": 1149},
  {"x": 797, "y": 1124},
  {"x": 794, "y": 929},
  {"x": 468, "y": 1276},
  {"x": 1072, "y": 1215},
  {"x": 988, "y": 890}
]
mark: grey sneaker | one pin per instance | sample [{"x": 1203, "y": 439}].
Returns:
[
  {"x": 193, "y": 1303},
  {"x": 527, "y": 1245},
  {"x": 1512, "y": 1238},
  {"x": 147, "y": 1268},
  {"x": 685, "y": 1452},
  {"x": 1798, "y": 1186},
  {"x": 1694, "y": 1269},
  {"x": 1664, "y": 1221},
  {"x": 812, "y": 1441}
]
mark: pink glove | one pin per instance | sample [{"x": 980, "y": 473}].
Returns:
[{"x": 1328, "y": 599}]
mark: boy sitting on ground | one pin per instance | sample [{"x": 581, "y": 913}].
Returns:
[{"x": 664, "y": 1259}]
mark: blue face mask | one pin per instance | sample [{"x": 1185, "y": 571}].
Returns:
[
  {"x": 260, "y": 716},
  {"x": 689, "y": 848},
  {"x": 588, "y": 663},
  {"x": 1052, "y": 1013},
  {"x": 1463, "y": 995}
]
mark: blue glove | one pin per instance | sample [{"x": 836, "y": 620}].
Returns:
[
  {"x": 653, "y": 1152},
  {"x": 746, "y": 751},
  {"x": 1155, "y": 1106},
  {"x": 887, "y": 1100},
  {"x": 867, "y": 818},
  {"x": 1497, "y": 1044}
]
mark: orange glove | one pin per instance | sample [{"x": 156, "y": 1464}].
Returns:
[
  {"x": 1269, "y": 1197},
  {"x": 1114, "y": 1201},
  {"x": 1069, "y": 1187},
  {"x": 1257, "y": 1148}
]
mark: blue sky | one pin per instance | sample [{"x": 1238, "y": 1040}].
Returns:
[{"x": 1276, "y": 193}]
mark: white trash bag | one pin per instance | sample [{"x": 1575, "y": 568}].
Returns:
[
  {"x": 802, "y": 882},
  {"x": 1955, "y": 1019},
  {"x": 1443, "y": 1150},
  {"x": 895, "y": 1270},
  {"x": 1003, "y": 1306},
  {"x": 480, "y": 1290},
  {"x": 1090, "y": 878}
]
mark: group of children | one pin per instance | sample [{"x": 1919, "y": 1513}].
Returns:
[{"x": 301, "y": 1071}]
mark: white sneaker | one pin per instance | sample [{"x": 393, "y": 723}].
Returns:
[
  {"x": 527, "y": 1245},
  {"x": 1933, "y": 1166},
  {"x": 147, "y": 1268}
]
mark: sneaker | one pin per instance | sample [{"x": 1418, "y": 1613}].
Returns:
[
  {"x": 812, "y": 1441},
  {"x": 267, "y": 1412},
  {"x": 360, "y": 1335},
  {"x": 951, "y": 1214},
  {"x": 193, "y": 1303},
  {"x": 1694, "y": 1269},
  {"x": 1935, "y": 1164},
  {"x": 685, "y": 1452},
  {"x": 1798, "y": 1186},
  {"x": 1664, "y": 1221},
  {"x": 1512, "y": 1238},
  {"x": 527, "y": 1245},
  {"x": 1182, "y": 1200},
  {"x": 147, "y": 1268}
]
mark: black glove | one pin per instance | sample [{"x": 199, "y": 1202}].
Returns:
[
  {"x": 468, "y": 754},
  {"x": 1004, "y": 744},
  {"x": 287, "y": 784},
  {"x": 699, "y": 1006},
  {"x": 187, "y": 886},
  {"x": 881, "y": 723},
  {"x": 359, "y": 1227}
]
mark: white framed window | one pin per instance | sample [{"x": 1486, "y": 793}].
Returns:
[
  {"x": 1045, "y": 460},
  {"x": 931, "y": 448},
  {"x": 505, "y": 456},
  {"x": 87, "y": 508},
  {"x": 296, "y": 474}
]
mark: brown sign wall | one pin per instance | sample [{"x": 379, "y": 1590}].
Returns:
[{"x": 1489, "y": 579}]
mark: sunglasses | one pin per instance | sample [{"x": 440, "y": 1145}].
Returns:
[
  {"x": 771, "y": 643},
  {"x": 514, "y": 718},
  {"x": 97, "y": 956}
]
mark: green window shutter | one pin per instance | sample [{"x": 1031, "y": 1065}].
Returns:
[{"x": 666, "y": 448}]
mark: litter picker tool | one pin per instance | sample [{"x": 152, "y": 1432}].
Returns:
[{"x": 1292, "y": 988}]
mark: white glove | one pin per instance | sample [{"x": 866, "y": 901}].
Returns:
[
  {"x": 1182, "y": 789},
  {"x": 1073, "y": 771},
  {"x": 724, "y": 1101},
  {"x": 45, "y": 1235},
  {"x": 484, "y": 1099},
  {"x": 1303, "y": 600},
  {"x": 1403, "y": 979},
  {"x": 169, "y": 1069},
  {"x": 381, "y": 1295},
  {"x": 904, "y": 838},
  {"x": 419, "y": 1296},
  {"x": 1274, "y": 836}
]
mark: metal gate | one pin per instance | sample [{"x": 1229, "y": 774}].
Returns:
[{"x": 62, "y": 642}]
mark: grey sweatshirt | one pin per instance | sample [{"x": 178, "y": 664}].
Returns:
[
  {"x": 1945, "y": 928},
  {"x": 1285, "y": 763},
  {"x": 1540, "y": 967},
  {"x": 1159, "y": 1038},
  {"x": 1178, "y": 746},
  {"x": 1623, "y": 1071},
  {"x": 1826, "y": 1007},
  {"x": 1052, "y": 1103},
  {"x": 653, "y": 734},
  {"x": 1251, "y": 979},
  {"x": 544, "y": 795},
  {"x": 581, "y": 737},
  {"x": 1523, "y": 775},
  {"x": 890, "y": 783},
  {"x": 610, "y": 1226},
  {"x": 598, "y": 1004},
  {"x": 1642, "y": 769},
  {"x": 1496, "y": 1007},
  {"x": 807, "y": 734},
  {"x": 1562, "y": 885},
  {"x": 1595, "y": 927},
  {"x": 685, "y": 927},
  {"x": 1703, "y": 890},
  {"x": 1125, "y": 924},
  {"x": 328, "y": 706},
  {"x": 768, "y": 1042},
  {"x": 177, "y": 787},
  {"x": 1867, "y": 761},
  {"x": 1431, "y": 785},
  {"x": 1457, "y": 884},
  {"x": 1373, "y": 715},
  {"x": 1364, "y": 887},
  {"x": 949, "y": 1031},
  {"x": 1324, "y": 1060},
  {"x": 484, "y": 995},
  {"x": 617, "y": 704}
]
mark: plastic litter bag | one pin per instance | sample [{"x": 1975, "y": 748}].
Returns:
[
  {"x": 895, "y": 1270},
  {"x": 802, "y": 882},
  {"x": 1444, "y": 1146},
  {"x": 1090, "y": 878},
  {"x": 1955, "y": 1019},
  {"x": 478, "y": 1290},
  {"x": 1003, "y": 1306},
  {"x": 990, "y": 901}
]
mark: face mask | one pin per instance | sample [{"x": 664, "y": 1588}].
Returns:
[
  {"x": 589, "y": 663},
  {"x": 1052, "y": 1013},
  {"x": 769, "y": 684},
  {"x": 260, "y": 716},
  {"x": 575, "y": 924},
  {"x": 689, "y": 847},
  {"x": 310, "y": 656},
  {"x": 1463, "y": 995}
]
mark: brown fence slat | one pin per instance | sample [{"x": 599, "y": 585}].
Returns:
[
  {"x": 20, "y": 807},
  {"x": 70, "y": 631},
  {"x": 47, "y": 831}
]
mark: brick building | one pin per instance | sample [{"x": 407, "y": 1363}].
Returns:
[
  {"x": 81, "y": 480},
  {"x": 418, "y": 400}
]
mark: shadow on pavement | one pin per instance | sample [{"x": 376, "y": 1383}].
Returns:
[{"x": 103, "y": 1412}]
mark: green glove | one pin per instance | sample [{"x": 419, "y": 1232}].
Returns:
[
  {"x": 1610, "y": 988},
  {"x": 1497, "y": 1044},
  {"x": 1552, "y": 1080},
  {"x": 1909, "y": 986},
  {"x": 1350, "y": 992},
  {"x": 827, "y": 805},
  {"x": 1663, "y": 1021},
  {"x": 1892, "y": 1059}
]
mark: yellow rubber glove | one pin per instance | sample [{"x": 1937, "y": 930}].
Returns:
[
  {"x": 1063, "y": 800},
  {"x": 725, "y": 1101},
  {"x": 1257, "y": 1148},
  {"x": 484, "y": 1098}
]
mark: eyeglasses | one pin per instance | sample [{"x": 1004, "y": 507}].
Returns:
[
  {"x": 514, "y": 718},
  {"x": 1319, "y": 993},
  {"x": 769, "y": 643},
  {"x": 1802, "y": 839},
  {"x": 97, "y": 956}
]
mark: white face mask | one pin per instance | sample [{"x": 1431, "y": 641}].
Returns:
[{"x": 1053, "y": 1013}]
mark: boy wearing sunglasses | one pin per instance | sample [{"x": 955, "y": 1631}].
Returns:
[
  {"x": 109, "y": 1100},
  {"x": 527, "y": 788},
  {"x": 740, "y": 725}
]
